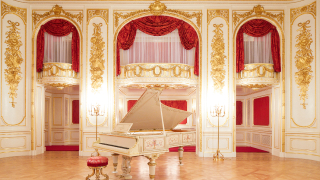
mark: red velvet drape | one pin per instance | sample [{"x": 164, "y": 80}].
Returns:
[
  {"x": 58, "y": 27},
  {"x": 75, "y": 112},
  {"x": 239, "y": 113},
  {"x": 158, "y": 26},
  {"x": 258, "y": 28},
  {"x": 178, "y": 104},
  {"x": 261, "y": 111}
]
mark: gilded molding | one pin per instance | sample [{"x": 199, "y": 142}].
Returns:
[
  {"x": 256, "y": 86},
  {"x": 96, "y": 60},
  {"x": 54, "y": 12},
  {"x": 103, "y": 13},
  {"x": 223, "y": 13},
  {"x": 257, "y": 11},
  {"x": 295, "y": 12},
  {"x": 13, "y": 60},
  {"x": 303, "y": 61},
  {"x": 8, "y": 9},
  {"x": 218, "y": 73},
  {"x": 157, "y": 8}
]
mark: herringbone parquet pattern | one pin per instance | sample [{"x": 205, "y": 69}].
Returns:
[{"x": 65, "y": 165}]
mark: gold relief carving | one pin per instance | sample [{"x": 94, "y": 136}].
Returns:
[
  {"x": 303, "y": 61},
  {"x": 258, "y": 69},
  {"x": 51, "y": 66},
  {"x": 13, "y": 60},
  {"x": 295, "y": 12},
  {"x": 103, "y": 13},
  {"x": 217, "y": 61},
  {"x": 257, "y": 11},
  {"x": 157, "y": 8},
  {"x": 224, "y": 13},
  {"x": 256, "y": 86},
  {"x": 96, "y": 59},
  {"x": 56, "y": 11},
  {"x": 8, "y": 9}
]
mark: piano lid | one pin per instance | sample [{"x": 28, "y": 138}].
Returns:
[{"x": 146, "y": 115}]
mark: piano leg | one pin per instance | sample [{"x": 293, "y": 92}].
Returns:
[
  {"x": 152, "y": 165},
  {"x": 115, "y": 162},
  {"x": 126, "y": 167},
  {"x": 180, "y": 155}
]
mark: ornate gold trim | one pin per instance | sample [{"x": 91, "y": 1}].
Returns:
[
  {"x": 257, "y": 11},
  {"x": 304, "y": 59},
  {"x": 13, "y": 60},
  {"x": 103, "y": 13},
  {"x": 223, "y": 13},
  {"x": 157, "y": 8},
  {"x": 8, "y": 9},
  {"x": 308, "y": 9},
  {"x": 54, "y": 12}
]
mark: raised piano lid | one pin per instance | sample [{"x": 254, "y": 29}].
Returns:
[{"x": 146, "y": 115}]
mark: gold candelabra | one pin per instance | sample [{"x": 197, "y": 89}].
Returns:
[
  {"x": 96, "y": 110},
  {"x": 218, "y": 111}
]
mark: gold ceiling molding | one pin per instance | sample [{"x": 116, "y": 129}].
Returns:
[
  {"x": 257, "y": 11},
  {"x": 218, "y": 73},
  {"x": 13, "y": 59},
  {"x": 8, "y": 9},
  {"x": 157, "y": 8},
  {"x": 303, "y": 61},
  {"x": 56, "y": 11},
  {"x": 223, "y": 13},
  {"x": 96, "y": 59},
  {"x": 103, "y": 13},
  {"x": 295, "y": 12}
]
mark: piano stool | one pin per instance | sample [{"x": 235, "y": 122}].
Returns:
[{"x": 96, "y": 163}]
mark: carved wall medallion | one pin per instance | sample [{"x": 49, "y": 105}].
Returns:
[
  {"x": 54, "y": 12},
  {"x": 257, "y": 11},
  {"x": 96, "y": 60},
  {"x": 8, "y": 9},
  {"x": 103, "y": 13},
  {"x": 295, "y": 12},
  {"x": 157, "y": 8},
  {"x": 303, "y": 61},
  {"x": 13, "y": 59},
  {"x": 218, "y": 73},
  {"x": 223, "y": 13}
]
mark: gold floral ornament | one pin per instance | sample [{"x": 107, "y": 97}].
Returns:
[
  {"x": 311, "y": 9},
  {"x": 157, "y": 8},
  {"x": 96, "y": 59},
  {"x": 8, "y": 9},
  {"x": 223, "y": 13},
  {"x": 303, "y": 61},
  {"x": 13, "y": 60},
  {"x": 217, "y": 61}
]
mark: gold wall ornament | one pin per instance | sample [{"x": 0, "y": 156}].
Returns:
[
  {"x": 13, "y": 59},
  {"x": 257, "y": 11},
  {"x": 295, "y": 12},
  {"x": 103, "y": 13},
  {"x": 54, "y": 12},
  {"x": 256, "y": 86},
  {"x": 96, "y": 59},
  {"x": 157, "y": 8},
  {"x": 218, "y": 73},
  {"x": 223, "y": 13},
  {"x": 8, "y": 9},
  {"x": 303, "y": 61}
]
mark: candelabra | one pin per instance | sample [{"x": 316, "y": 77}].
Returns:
[
  {"x": 96, "y": 110},
  {"x": 218, "y": 111}
]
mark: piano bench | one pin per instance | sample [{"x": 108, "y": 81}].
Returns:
[{"x": 96, "y": 163}]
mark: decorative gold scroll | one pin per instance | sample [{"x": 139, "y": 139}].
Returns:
[
  {"x": 56, "y": 11},
  {"x": 257, "y": 11},
  {"x": 157, "y": 8},
  {"x": 224, "y": 13},
  {"x": 303, "y": 61},
  {"x": 8, "y": 9},
  {"x": 103, "y": 13},
  {"x": 295, "y": 12},
  {"x": 218, "y": 73},
  {"x": 13, "y": 59},
  {"x": 96, "y": 59}
]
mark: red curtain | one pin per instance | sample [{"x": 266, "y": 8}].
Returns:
[
  {"x": 239, "y": 113},
  {"x": 258, "y": 28},
  {"x": 75, "y": 112},
  {"x": 158, "y": 26},
  {"x": 178, "y": 104},
  {"x": 261, "y": 111},
  {"x": 58, "y": 27}
]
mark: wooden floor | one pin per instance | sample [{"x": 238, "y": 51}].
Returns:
[{"x": 246, "y": 166}]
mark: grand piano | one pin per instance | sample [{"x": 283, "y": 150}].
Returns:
[{"x": 151, "y": 134}]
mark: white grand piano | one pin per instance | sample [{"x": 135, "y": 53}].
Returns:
[{"x": 152, "y": 133}]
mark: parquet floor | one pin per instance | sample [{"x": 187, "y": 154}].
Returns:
[{"x": 53, "y": 165}]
